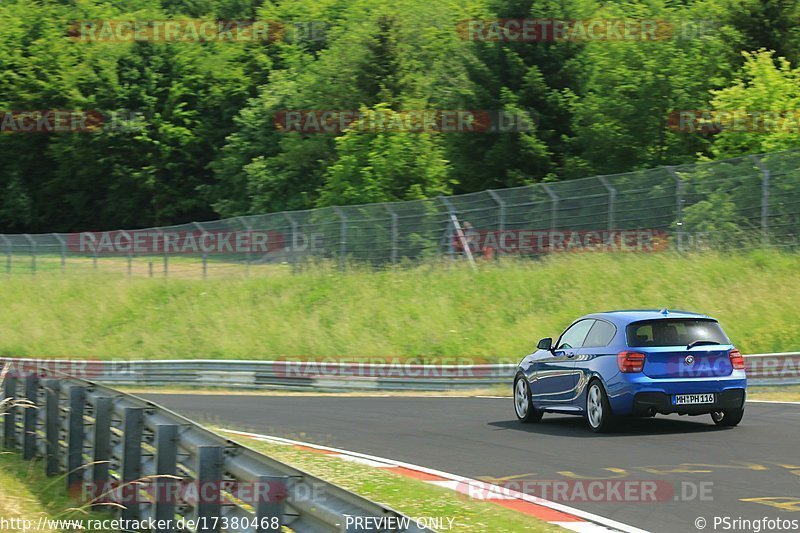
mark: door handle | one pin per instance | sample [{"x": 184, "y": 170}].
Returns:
[{"x": 571, "y": 354}]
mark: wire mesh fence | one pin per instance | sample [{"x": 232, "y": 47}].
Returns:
[{"x": 751, "y": 201}]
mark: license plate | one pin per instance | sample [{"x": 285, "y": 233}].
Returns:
[{"x": 692, "y": 399}]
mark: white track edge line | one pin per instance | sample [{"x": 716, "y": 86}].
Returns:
[{"x": 591, "y": 517}]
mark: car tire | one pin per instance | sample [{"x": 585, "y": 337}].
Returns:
[
  {"x": 728, "y": 417},
  {"x": 523, "y": 406},
  {"x": 598, "y": 409}
]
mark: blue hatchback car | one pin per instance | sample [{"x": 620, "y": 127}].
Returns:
[{"x": 634, "y": 363}]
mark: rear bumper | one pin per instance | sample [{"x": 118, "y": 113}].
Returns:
[{"x": 648, "y": 403}]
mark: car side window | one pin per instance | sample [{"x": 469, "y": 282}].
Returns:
[
  {"x": 574, "y": 336},
  {"x": 600, "y": 335}
]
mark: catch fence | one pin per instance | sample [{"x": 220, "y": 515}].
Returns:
[{"x": 751, "y": 201}]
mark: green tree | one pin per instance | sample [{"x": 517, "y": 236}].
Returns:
[
  {"x": 385, "y": 166},
  {"x": 765, "y": 83}
]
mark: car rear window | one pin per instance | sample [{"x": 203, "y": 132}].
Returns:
[{"x": 674, "y": 332}]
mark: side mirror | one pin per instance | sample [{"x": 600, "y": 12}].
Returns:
[{"x": 545, "y": 344}]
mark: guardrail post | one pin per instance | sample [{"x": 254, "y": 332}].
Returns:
[
  {"x": 209, "y": 474},
  {"x": 75, "y": 436},
  {"x": 10, "y": 416},
  {"x": 765, "y": 175},
  {"x": 29, "y": 415},
  {"x": 166, "y": 444},
  {"x": 101, "y": 451},
  {"x": 132, "y": 428},
  {"x": 269, "y": 508},
  {"x": 52, "y": 418},
  {"x": 342, "y": 236}
]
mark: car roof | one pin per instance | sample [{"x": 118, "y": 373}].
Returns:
[{"x": 625, "y": 316}]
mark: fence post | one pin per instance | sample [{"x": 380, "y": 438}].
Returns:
[
  {"x": 342, "y": 236},
  {"x": 166, "y": 256},
  {"x": 456, "y": 227},
  {"x": 203, "y": 233},
  {"x": 765, "y": 175},
  {"x": 75, "y": 436},
  {"x": 8, "y": 253},
  {"x": 293, "y": 247},
  {"x": 612, "y": 200},
  {"x": 501, "y": 219},
  {"x": 29, "y": 416},
  {"x": 63, "y": 244},
  {"x": 132, "y": 426},
  {"x": 250, "y": 244},
  {"x": 33, "y": 253},
  {"x": 101, "y": 452},
  {"x": 52, "y": 426},
  {"x": 166, "y": 444},
  {"x": 395, "y": 232},
  {"x": 271, "y": 507},
  {"x": 10, "y": 416},
  {"x": 450, "y": 214},
  {"x": 678, "y": 205},
  {"x": 209, "y": 474},
  {"x": 553, "y": 210}
]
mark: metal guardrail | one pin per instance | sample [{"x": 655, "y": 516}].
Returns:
[
  {"x": 106, "y": 442},
  {"x": 763, "y": 369}
]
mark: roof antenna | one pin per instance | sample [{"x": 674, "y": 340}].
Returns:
[{"x": 664, "y": 311}]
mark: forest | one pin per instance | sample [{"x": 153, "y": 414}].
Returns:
[{"x": 184, "y": 126}]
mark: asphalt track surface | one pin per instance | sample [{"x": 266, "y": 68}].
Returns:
[{"x": 481, "y": 438}]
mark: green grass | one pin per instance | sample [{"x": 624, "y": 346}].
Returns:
[
  {"x": 439, "y": 313},
  {"x": 409, "y": 496},
  {"x": 787, "y": 393},
  {"x": 27, "y": 494}
]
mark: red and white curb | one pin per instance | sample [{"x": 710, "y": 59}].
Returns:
[{"x": 551, "y": 512}]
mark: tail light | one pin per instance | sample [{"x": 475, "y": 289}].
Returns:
[
  {"x": 630, "y": 361},
  {"x": 737, "y": 361}
]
